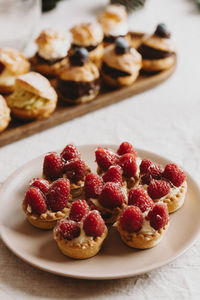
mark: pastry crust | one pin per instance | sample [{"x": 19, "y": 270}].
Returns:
[
  {"x": 49, "y": 70},
  {"x": 37, "y": 85},
  {"x": 159, "y": 43},
  {"x": 82, "y": 99},
  {"x": 120, "y": 81},
  {"x": 46, "y": 220},
  {"x": 96, "y": 55},
  {"x": 87, "y": 34},
  {"x": 155, "y": 65},
  {"x": 141, "y": 240},
  {"x": 175, "y": 201},
  {"x": 4, "y": 114},
  {"x": 80, "y": 250}
]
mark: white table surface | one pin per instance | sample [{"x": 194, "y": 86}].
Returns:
[{"x": 164, "y": 120}]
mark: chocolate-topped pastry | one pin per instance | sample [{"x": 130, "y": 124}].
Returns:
[
  {"x": 89, "y": 36},
  {"x": 12, "y": 64},
  {"x": 157, "y": 50},
  {"x": 114, "y": 22},
  {"x": 121, "y": 64},
  {"x": 78, "y": 79},
  {"x": 53, "y": 46}
]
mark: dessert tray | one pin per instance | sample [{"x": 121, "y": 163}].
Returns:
[
  {"x": 19, "y": 129},
  {"x": 115, "y": 260}
]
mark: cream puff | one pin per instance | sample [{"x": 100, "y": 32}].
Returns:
[
  {"x": 4, "y": 114},
  {"x": 12, "y": 64},
  {"x": 121, "y": 64},
  {"x": 114, "y": 23},
  {"x": 53, "y": 46},
  {"x": 45, "y": 204},
  {"x": 33, "y": 97},
  {"x": 157, "y": 50},
  {"x": 89, "y": 36},
  {"x": 79, "y": 79},
  {"x": 81, "y": 235},
  {"x": 143, "y": 230},
  {"x": 167, "y": 186}
]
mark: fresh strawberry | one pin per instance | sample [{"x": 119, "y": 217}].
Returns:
[
  {"x": 35, "y": 199},
  {"x": 94, "y": 224},
  {"x": 70, "y": 152},
  {"x": 174, "y": 174},
  {"x": 112, "y": 195},
  {"x": 131, "y": 219},
  {"x": 158, "y": 216},
  {"x": 68, "y": 229},
  {"x": 145, "y": 164},
  {"x": 126, "y": 147},
  {"x": 79, "y": 210},
  {"x": 128, "y": 164},
  {"x": 75, "y": 169},
  {"x": 139, "y": 197},
  {"x": 113, "y": 174},
  {"x": 93, "y": 185},
  {"x": 158, "y": 189},
  {"x": 105, "y": 158},
  {"x": 53, "y": 166},
  {"x": 41, "y": 184},
  {"x": 58, "y": 194}
]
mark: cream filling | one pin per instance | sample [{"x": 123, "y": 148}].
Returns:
[
  {"x": 7, "y": 78},
  {"x": 138, "y": 162},
  {"x": 54, "y": 49},
  {"x": 82, "y": 238},
  {"x": 146, "y": 227},
  {"x": 119, "y": 29},
  {"x": 22, "y": 99}
]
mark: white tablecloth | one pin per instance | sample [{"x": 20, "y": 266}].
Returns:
[{"x": 164, "y": 120}]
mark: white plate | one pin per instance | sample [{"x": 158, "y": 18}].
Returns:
[{"x": 115, "y": 260}]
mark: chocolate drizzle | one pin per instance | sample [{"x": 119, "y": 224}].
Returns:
[
  {"x": 47, "y": 61},
  {"x": 112, "y": 72},
  {"x": 74, "y": 90},
  {"x": 150, "y": 53},
  {"x": 89, "y": 48}
]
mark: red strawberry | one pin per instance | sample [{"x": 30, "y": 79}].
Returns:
[
  {"x": 58, "y": 194},
  {"x": 75, "y": 169},
  {"x": 174, "y": 174},
  {"x": 105, "y": 158},
  {"x": 154, "y": 171},
  {"x": 126, "y": 147},
  {"x": 41, "y": 184},
  {"x": 69, "y": 152},
  {"x": 145, "y": 164},
  {"x": 139, "y": 197},
  {"x": 68, "y": 229},
  {"x": 112, "y": 195},
  {"x": 79, "y": 210},
  {"x": 113, "y": 174},
  {"x": 93, "y": 185},
  {"x": 128, "y": 164},
  {"x": 94, "y": 224},
  {"x": 158, "y": 189},
  {"x": 131, "y": 219},
  {"x": 53, "y": 166},
  {"x": 35, "y": 199},
  {"x": 158, "y": 216}
]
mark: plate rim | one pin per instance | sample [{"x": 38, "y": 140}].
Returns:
[{"x": 90, "y": 276}]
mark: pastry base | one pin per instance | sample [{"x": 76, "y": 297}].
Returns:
[
  {"x": 80, "y": 250},
  {"x": 82, "y": 99},
  {"x": 176, "y": 201},
  {"x": 46, "y": 220},
  {"x": 38, "y": 114},
  {"x": 156, "y": 65},
  {"x": 96, "y": 55},
  {"x": 120, "y": 81},
  {"x": 139, "y": 240},
  {"x": 44, "y": 68},
  {"x": 6, "y": 89},
  {"x": 4, "y": 123}
]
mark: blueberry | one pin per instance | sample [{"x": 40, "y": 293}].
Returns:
[
  {"x": 121, "y": 45},
  {"x": 79, "y": 56},
  {"x": 162, "y": 31}
]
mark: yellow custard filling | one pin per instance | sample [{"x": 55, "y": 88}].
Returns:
[{"x": 22, "y": 99}]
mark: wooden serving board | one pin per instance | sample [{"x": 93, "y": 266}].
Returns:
[{"x": 18, "y": 129}]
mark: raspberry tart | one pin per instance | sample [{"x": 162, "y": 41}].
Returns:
[
  {"x": 143, "y": 224},
  {"x": 44, "y": 204},
  {"x": 109, "y": 198},
  {"x": 81, "y": 235},
  {"x": 167, "y": 185},
  {"x": 68, "y": 164}
]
